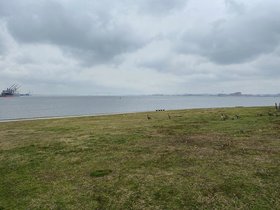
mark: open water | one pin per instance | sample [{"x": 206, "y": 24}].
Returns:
[{"x": 58, "y": 106}]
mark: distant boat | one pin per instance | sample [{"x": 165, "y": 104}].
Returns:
[{"x": 12, "y": 91}]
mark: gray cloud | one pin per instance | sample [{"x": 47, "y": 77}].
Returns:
[
  {"x": 235, "y": 7},
  {"x": 3, "y": 40},
  {"x": 237, "y": 39},
  {"x": 140, "y": 46},
  {"x": 159, "y": 7},
  {"x": 2, "y": 46},
  {"x": 93, "y": 35}
]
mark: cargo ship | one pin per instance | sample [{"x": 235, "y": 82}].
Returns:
[{"x": 12, "y": 91}]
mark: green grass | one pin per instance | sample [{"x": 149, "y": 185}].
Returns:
[
  {"x": 100, "y": 173},
  {"x": 194, "y": 160}
]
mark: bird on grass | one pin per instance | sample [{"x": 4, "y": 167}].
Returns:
[{"x": 224, "y": 117}]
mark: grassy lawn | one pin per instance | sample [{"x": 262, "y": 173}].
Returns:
[{"x": 194, "y": 160}]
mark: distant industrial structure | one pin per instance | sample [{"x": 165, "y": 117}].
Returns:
[{"x": 12, "y": 91}]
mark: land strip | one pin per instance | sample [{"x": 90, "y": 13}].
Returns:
[{"x": 225, "y": 158}]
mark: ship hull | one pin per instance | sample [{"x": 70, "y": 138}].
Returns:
[{"x": 8, "y": 95}]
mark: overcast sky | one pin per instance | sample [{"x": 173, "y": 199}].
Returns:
[{"x": 93, "y": 47}]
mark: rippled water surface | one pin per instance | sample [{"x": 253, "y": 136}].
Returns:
[{"x": 35, "y": 106}]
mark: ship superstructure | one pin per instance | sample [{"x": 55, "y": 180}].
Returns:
[{"x": 11, "y": 91}]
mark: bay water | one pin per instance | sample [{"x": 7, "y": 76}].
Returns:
[{"x": 59, "y": 106}]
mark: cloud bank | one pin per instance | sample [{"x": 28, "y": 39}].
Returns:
[{"x": 91, "y": 47}]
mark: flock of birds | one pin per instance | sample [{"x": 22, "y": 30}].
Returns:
[{"x": 223, "y": 116}]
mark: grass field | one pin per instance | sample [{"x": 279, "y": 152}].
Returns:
[{"x": 194, "y": 160}]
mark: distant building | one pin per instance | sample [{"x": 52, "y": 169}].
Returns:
[{"x": 236, "y": 94}]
